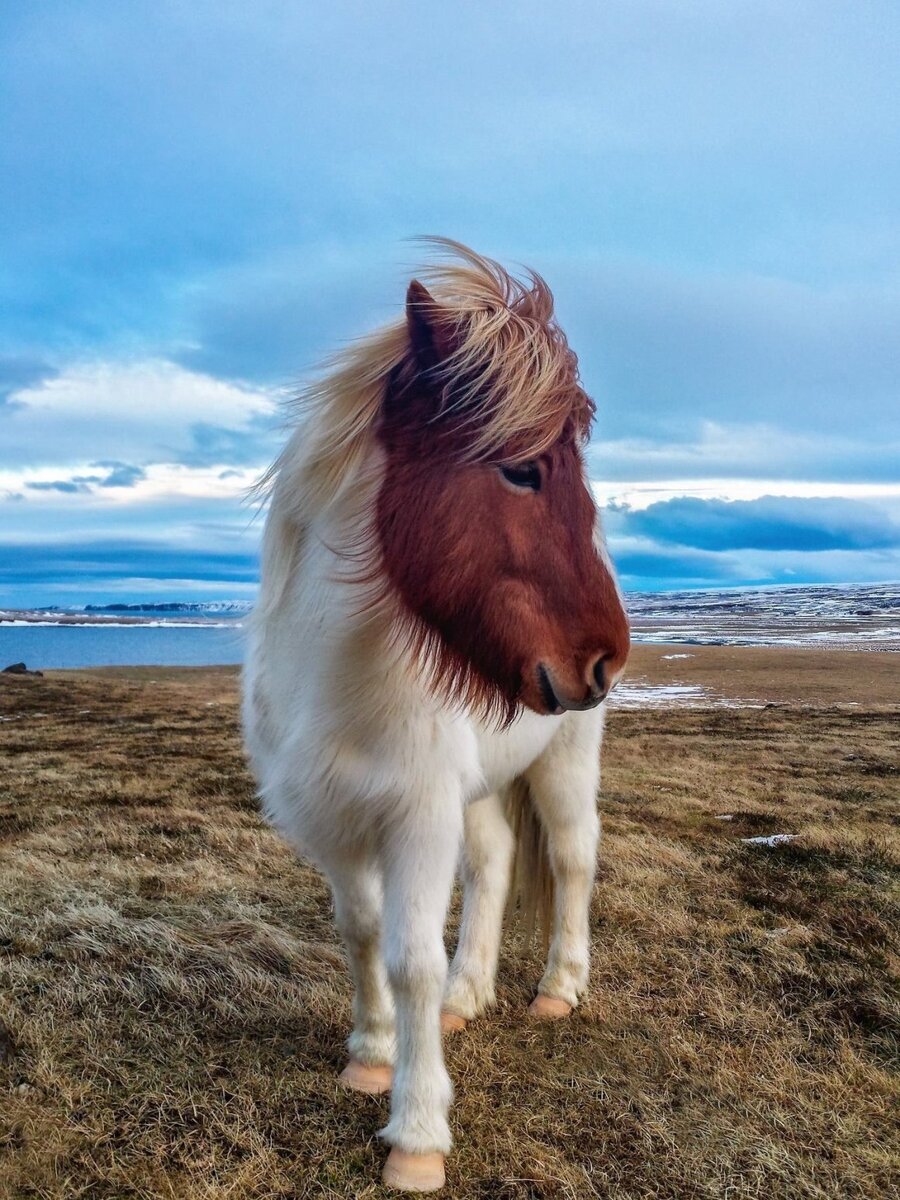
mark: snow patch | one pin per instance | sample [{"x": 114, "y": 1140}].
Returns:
[
  {"x": 673, "y": 695},
  {"x": 634, "y": 695},
  {"x": 772, "y": 839}
]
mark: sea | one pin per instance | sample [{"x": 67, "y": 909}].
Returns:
[
  {"x": 852, "y": 616},
  {"x": 158, "y": 635}
]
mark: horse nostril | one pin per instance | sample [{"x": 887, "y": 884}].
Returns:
[{"x": 600, "y": 677}]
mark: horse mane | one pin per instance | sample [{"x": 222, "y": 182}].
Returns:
[{"x": 520, "y": 390}]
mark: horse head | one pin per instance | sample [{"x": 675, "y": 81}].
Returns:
[{"x": 488, "y": 531}]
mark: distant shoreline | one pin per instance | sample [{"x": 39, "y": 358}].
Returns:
[
  {"x": 13, "y": 617},
  {"x": 827, "y": 616}
]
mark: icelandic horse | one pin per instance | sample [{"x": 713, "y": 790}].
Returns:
[{"x": 438, "y": 624}]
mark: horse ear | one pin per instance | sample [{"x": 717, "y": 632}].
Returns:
[{"x": 432, "y": 328}]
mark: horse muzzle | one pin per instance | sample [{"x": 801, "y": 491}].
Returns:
[{"x": 558, "y": 700}]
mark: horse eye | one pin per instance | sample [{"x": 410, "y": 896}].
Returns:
[{"x": 523, "y": 475}]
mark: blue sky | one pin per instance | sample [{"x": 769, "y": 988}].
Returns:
[{"x": 200, "y": 201}]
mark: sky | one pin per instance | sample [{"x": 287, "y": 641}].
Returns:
[{"x": 201, "y": 201}]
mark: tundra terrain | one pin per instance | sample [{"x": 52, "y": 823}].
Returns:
[{"x": 174, "y": 1001}]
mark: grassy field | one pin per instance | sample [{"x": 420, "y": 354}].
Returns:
[{"x": 174, "y": 1001}]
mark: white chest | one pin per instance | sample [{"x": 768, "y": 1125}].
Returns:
[{"x": 504, "y": 754}]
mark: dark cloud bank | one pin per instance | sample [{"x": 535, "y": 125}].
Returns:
[{"x": 769, "y": 523}]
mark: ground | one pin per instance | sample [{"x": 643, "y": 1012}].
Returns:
[{"x": 174, "y": 1002}]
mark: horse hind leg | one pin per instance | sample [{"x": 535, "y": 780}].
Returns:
[
  {"x": 357, "y": 892},
  {"x": 486, "y": 865},
  {"x": 563, "y": 785}
]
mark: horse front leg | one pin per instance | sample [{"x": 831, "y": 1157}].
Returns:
[
  {"x": 487, "y": 861},
  {"x": 419, "y": 863},
  {"x": 356, "y": 887},
  {"x": 563, "y": 785}
]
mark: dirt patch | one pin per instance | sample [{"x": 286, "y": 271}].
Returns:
[{"x": 773, "y": 675}]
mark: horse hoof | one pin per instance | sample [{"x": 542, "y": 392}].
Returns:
[
  {"x": 549, "y": 1008},
  {"x": 413, "y": 1172},
  {"x": 452, "y": 1022},
  {"x": 372, "y": 1080}
]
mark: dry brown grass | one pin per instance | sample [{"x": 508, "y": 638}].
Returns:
[{"x": 174, "y": 1001}]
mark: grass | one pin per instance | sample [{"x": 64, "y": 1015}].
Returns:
[{"x": 174, "y": 1002}]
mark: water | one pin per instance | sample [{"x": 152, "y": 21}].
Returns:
[
  {"x": 852, "y": 616},
  {"x": 49, "y": 647}
]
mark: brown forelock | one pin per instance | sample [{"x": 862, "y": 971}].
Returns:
[{"x": 504, "y": 374}]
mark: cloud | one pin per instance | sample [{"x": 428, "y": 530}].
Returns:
[
  {"x": 77, "y": 562},
  {"x": 127, "y": 567},
  {"x": 117, "y": 475},
  {"x": 127, "y": 488},
  {"x": 741, "y": 452},
  {"x": 252, "y": 445},
  {"x": 156, "y": 391},
  {"x": 133, "y": 412},
  {"x": 649, "y": 567},
  {"x": 769, "y": 523},
  {"x": 641, "y": 563},
  {"x": 69, "y": 486},
  {"x": 122, "y": 475},
  {"x": 19, "y": 370},
  {"x": 688, "y": 541}
]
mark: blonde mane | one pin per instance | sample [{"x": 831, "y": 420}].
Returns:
[{"x": 515, "y": 382}]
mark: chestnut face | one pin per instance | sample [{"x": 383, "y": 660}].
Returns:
[{"x": 500, "y": 561}]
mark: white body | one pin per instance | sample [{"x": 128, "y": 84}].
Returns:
[{"x": 382, "y": 784}]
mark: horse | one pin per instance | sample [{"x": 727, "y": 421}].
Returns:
[{"x": 437, "y": 627}]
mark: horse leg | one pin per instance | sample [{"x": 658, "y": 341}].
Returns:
[
  {"x": 487, "y": 860},
  {"x": 356, "y": 888},
  {"x": 419, "y": 865},
  {"x": 563, "y": 785}
]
